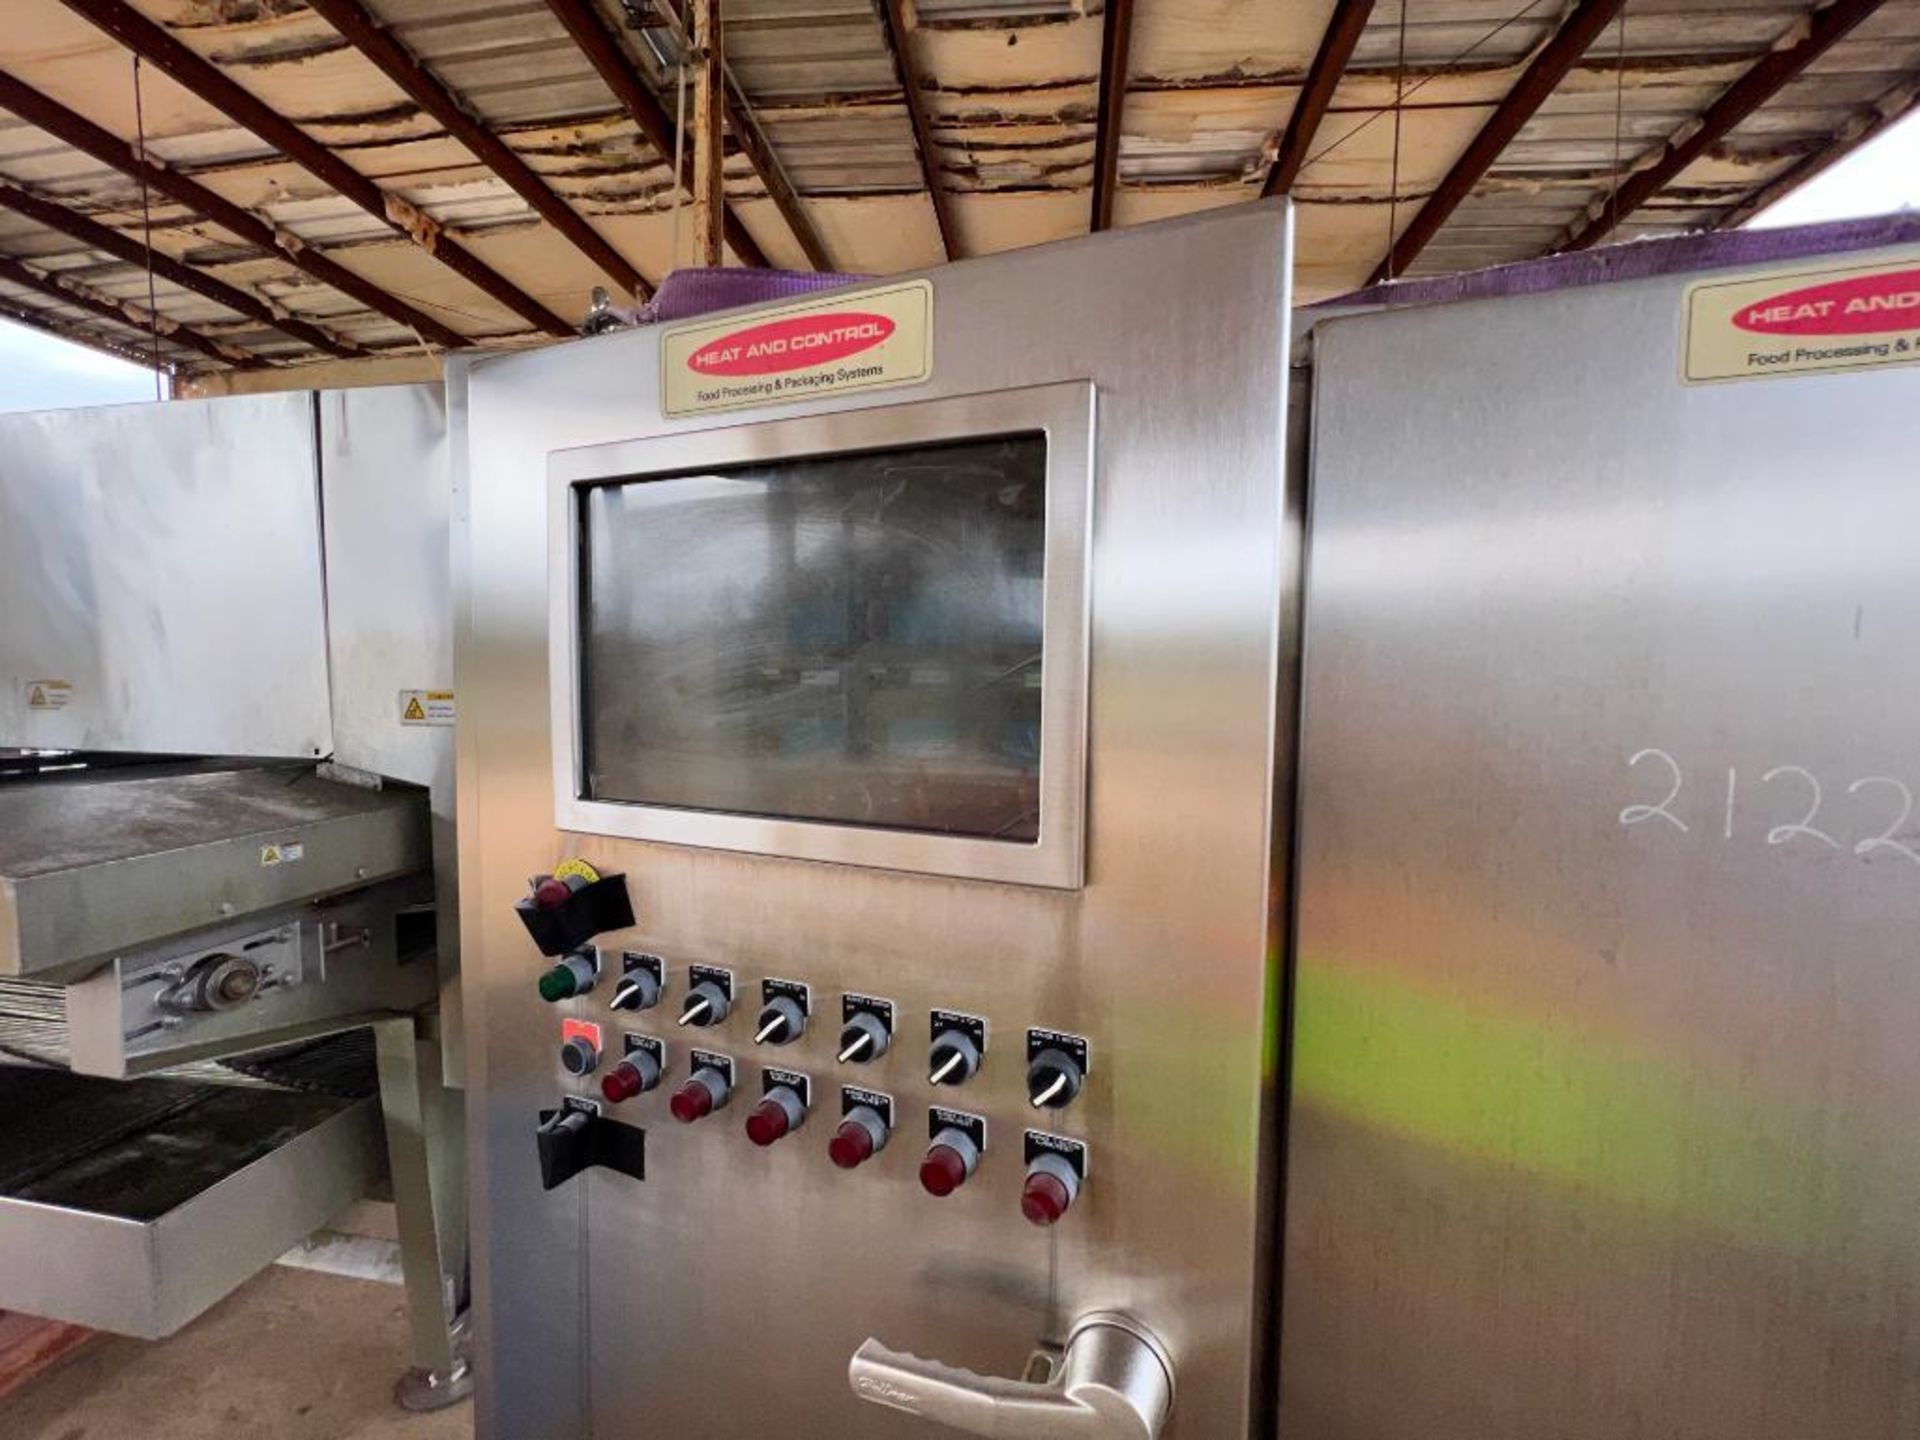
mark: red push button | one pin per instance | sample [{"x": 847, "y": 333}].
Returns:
[
  {"x": 768, "y": 1122},
  {"x": 1044, "y": 1199},
  {"x": 780, "y": 1112},
  {"x": 692, "y": 1101},
  {"x": 943, "y": 1171},
  {"x": 623, "y": 1082},
  {"x": 851, "y": 1146}
]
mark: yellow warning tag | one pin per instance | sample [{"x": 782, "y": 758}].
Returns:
[
  {"x": 576, "y": 867},
  {"x": 48, "y": 694},
  {"x": 269, "y": 854},
  {"x": 427, "y": 707}
]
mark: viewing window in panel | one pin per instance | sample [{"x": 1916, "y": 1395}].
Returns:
[{"x": 854, "y": 639}]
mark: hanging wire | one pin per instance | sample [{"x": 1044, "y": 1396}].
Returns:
[
  {"x": 1619, "y": 115},
  {"x": 1399, "y": 112},
  {"x": 679, "y": 156},
  {"x": 146, "y": 226},
  {"x": 1449, "y": 67}
]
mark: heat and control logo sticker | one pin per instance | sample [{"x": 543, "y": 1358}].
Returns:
[
  {"x": 823, "y": 346},
  {"x": 1851, "y": 318},
  {"x": 783, "y": 345}
]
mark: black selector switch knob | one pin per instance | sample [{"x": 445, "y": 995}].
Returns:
[
  {"x": 1054, "y": 1078},
  {"x": 706, "y": 1005},
  {"x": 863, "y": 1038},
  {"x": 954, "y": 1059},
  {"x": 637, "y": 990},
  {"x": 782, "y": 1021}
]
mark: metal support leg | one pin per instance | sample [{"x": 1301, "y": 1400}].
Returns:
[{"x": 425, "y": 1154}]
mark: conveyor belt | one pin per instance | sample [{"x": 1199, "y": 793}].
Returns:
[
  {"x": 49, "y": 1118},
  {"x": 342, "y": 1066},
  {"x": 136, "y": 1148}
]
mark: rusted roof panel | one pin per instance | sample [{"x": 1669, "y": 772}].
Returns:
[{"x": 1010, "y": 88}]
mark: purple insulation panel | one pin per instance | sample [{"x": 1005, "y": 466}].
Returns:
[
  {"x": 686, "y": 293},
  {"x": 1641, "y": 260}
]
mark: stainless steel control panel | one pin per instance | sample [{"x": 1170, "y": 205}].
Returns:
[
  {"x": 941, "y": 737},
  {"x": 852, "y": 1121}
]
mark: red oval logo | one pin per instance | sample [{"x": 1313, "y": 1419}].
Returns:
[
  {"x": 794, "y": 344},
  {"x": 1864, "y": 305}
]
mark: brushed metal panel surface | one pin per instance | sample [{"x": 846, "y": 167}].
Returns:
[
  {"x": 723, "y": 1297},
  {"x": 1603, "y": 1102},
  {"x": 386, "y": 484},
  {"x": 164, "y": 561},
  {"x": 383, "y": 466},
  {"x": 106, "y": 862}
]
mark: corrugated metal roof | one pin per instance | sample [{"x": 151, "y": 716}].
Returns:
[{"x": 1010, "y": 89}]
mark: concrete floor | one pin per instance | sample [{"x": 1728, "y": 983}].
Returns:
[{"x": 292, "y": 1355}]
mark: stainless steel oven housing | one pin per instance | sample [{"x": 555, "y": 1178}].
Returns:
[
  {"x": 1064, "y": 414},
  {"x": 259, "y": 576},
  {"x": 1604, "y": 1066}
]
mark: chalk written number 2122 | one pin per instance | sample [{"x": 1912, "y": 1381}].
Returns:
[{"x": 1886, "y": 795}]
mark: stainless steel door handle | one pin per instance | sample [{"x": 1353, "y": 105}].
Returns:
[{"x": 1113, "y": 1382}]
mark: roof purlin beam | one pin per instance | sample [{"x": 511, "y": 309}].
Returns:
[
  {"x": 893, "y": 23},
  {"x": 14, "y": 273},
  {"x": 205, "y": 79},
  {"x": 399, "y": 65},
  {"x": 124, "y": 247},
  {"x": 107, "y": 148},
  {"x": 592, "y": 38},
  {"x": 1889, "y": 109},
  {"x": 754, "y": 144},
  {"x": 1538, "y": 81},
  {"x": 1772, "y": 73},
  {"x": 1323, "y": 78},
  {"x": 1116, "y": 45}
]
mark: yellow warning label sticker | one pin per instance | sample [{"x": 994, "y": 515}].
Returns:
[
  {"x": 285, "y": 853},
  {"x": 49, "y": 694},
  {"x": 427, "y": 707}
]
